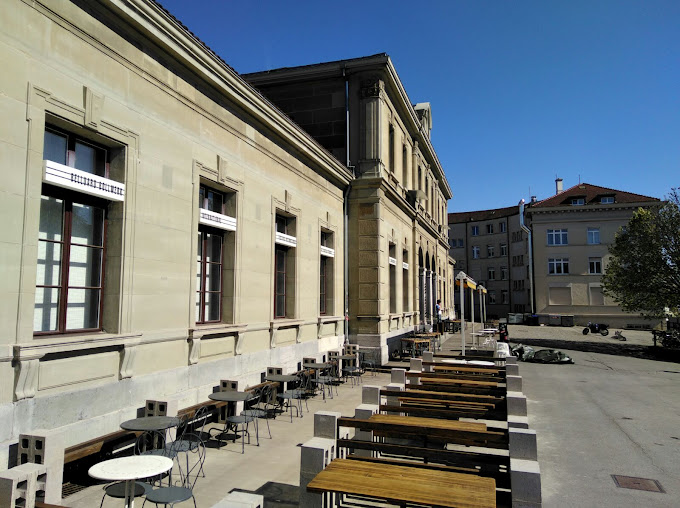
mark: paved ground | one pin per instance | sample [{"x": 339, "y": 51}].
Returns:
[
  {"x": 604, "y": 415},
  {"x": 273, "y": 466}
]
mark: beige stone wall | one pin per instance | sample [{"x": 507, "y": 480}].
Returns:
[
  {"x": 176, "y": 126},
  {"x": 553, "y": 292}
]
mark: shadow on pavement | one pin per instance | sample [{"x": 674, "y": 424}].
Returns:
[
  {"x": 620, "y": 349},
  {"x": 278, "y": 495}
]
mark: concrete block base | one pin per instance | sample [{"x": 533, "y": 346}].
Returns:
[{"x": 525, "y": 482}]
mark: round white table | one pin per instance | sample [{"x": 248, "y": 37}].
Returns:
[{"x": 129, "y": 469}]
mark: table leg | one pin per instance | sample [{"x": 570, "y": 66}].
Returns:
[{"x": 129, "y": 493}]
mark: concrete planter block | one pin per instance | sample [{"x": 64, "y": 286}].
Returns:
[
  {"x": 525, "y": 483},
  {"x": 523, "y": 444},
  {"x": 326, "y": 424},
  {"x": 241, "y": 500},
  {"x": 416, "y": 364},
  {"x": 370, "y": 395},
  {"x": 518, "y": 422},
  {"x": 365, "y": 411},
  {"x": 517, "y": 404},
  {"x": 513, "y": 383},
  {"x": 45, "y": 448},
  {"x": 511, "y": 370},
  {"x": 316, "y": 454},
  {"x": 398, "y": 376}
]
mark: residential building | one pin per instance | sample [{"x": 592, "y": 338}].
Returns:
[
  {"x": 572, "y": 231},
  {"x": 398, "y": 239},
  {"x": 164, "y": 226},
  {"x": 491, "y": 247}
]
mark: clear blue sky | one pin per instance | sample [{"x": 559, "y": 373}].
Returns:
[{"x": 521, "y": 91}]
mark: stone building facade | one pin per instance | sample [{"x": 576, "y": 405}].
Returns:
[
  {"x": 491, "y": 247},
  {"x": 164, "y": 226},
  {"x": 572, "y": 231},
  {"x": 397, "y": 230}
]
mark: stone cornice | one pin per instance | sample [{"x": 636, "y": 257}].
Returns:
[
  {"x": 590, "y": 208},
  {"x": 152, "y": 21}
]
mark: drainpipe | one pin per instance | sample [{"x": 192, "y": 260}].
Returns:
[
  {"x": 531, "y": 257},
  {"x": 345, "y": 206}
]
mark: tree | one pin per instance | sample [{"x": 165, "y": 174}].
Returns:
[{"x": 643, "y": 274}]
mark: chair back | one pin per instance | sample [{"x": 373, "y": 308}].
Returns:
[
  {"x": 148, "y": 441},
  {"x": 191, "y": 460}
]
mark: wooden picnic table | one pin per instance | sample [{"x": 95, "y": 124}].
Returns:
[
  {"x": 405, "y": 484},
  {"x": 428, "y": 425},
  {"x": 462, "y": 382},
  {"x": 416, "y": 345}
]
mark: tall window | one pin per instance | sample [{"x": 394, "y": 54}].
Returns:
[
  {"x": 70, "y": 264},
  {"x": 474, "y": 231},
  {"x": 209, "y": 255},
  {"x": 504, "y": 247},
  {"x": 489, "y": 229},
  {"x": 491, "y": 272},
  {"x": 502, "y": 227},
  {"x": 71, "y": 242},
  {"x": 595, "y": 266},
  {"x": 558, "y": 266},
  {"x": 557, "y": 237},
  {"x": 578, "y": 201},
  {"x": 504, "y": 273},
  {"x": 404, "y": 165},
  {"x": 284, "y": 267},
  {"x": 326, "y": 273},
  {"x": 492, "y": 297},
  {"x": 475, "y": 252},
  {"x": 489, "y": 251},
  {"x": 406, "y": 306},
  {"x": 392, "y": 262},
  {"x": 504, "y": 296},
  {"x": 593, "y": 236},
  {"x": 390, "y": 155}
]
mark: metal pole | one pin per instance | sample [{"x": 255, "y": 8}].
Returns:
[
  {"x": 472, "y": 313},
  {"x": 481, "y": 307}
]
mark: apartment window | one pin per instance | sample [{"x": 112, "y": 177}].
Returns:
[
  {"x": 460, "y": 243},
  {"x": 492, "y": 297},
  {"x": 557, "y": 237},
  {"x": 504, "y": 249},
  {"x": 504, "y": 273},
  {"x": 474, "y": 230},
  {"x": 404, "y": 164},
  {"x": 578, "y": 201},
  {"x": 558, "y": 266},
  {"x": 502, "y": 227},
  {"x": 504, "y": 296},
  {"x": 284, "y": 266},
  {"x": 517, "y": 236},
  {"x": 72, "y": 238},
  {"x": 593, "y": 236},
  {"x": 607, "y": 200},
  {"x": 475, "y": 252},
  {"x": 491, "y": 272},
  {"x": 489, "y": 229},
  {"x": 406, "y": 306},
  {"x": 489, "y": 251},
  {"x": 595, "y": 266},
  {"x": 326, "y": 264}
]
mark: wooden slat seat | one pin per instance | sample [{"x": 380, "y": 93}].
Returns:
[{"x": 405, "y": 484}]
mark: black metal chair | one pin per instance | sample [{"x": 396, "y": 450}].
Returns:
[
  {"x": 190, "y": 434},
  {"x": 263, "y": 409},
  {"x": 184, "y": 489}
]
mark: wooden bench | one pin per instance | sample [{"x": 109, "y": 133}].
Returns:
[
  {"x": 489, "y": 378},
  {"x": 402, "y": 484},
  {"x": 430, "y": 429}
]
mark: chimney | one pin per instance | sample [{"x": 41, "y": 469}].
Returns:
[
  {"x": 533, "y": 199},
  {"x": 558, "y": 185}
]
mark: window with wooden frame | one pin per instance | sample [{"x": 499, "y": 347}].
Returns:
[
  {"x": 326, "y": 264},
  {"x": 71, "y": 241},
  {"x": 284, "y": 266}
]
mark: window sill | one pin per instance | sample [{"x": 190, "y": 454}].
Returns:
[
  {"x": 330, "y": 319},
  {"x": 66, "y": 343},
  {"x": 285, "y": 323},
  {"x": 216, "y": 329}
]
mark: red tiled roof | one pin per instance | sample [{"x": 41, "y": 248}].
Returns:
[
  {"x": 496, "y": 213},
  {"x": 591, "y": 195}
]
